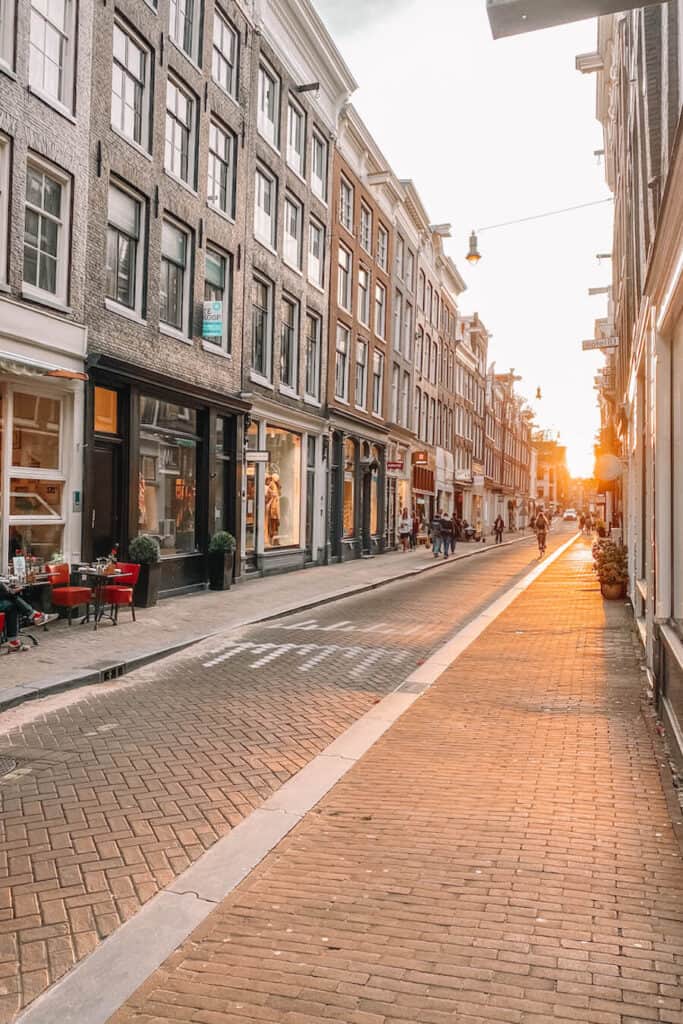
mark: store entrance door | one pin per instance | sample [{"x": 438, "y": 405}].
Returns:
[{"x": 105, "y": 505}]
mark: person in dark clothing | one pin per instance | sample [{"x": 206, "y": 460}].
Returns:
[
  {"x": 447, "y": 535},
  {"x": 499, "y": 528},
  {"x": 15, "y": 609},
  {"x": 435, "y": 530}
]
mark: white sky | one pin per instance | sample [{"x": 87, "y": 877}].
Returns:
[{"x": 491, "y": 131}]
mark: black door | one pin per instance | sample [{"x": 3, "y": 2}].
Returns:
[{"x": 105, "y": 511}]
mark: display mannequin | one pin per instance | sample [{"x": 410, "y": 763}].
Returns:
[{"x": 273, "y": 492}]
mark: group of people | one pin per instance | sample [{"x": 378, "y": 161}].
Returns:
[
  {"x": 444, "y": 531},
  {"x": 17, "y": 612}
]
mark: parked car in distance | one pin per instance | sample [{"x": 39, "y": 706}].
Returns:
[{"x": 570, "y": 515}]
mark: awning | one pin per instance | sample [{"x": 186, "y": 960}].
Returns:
[{"x": 23, "y": 366}]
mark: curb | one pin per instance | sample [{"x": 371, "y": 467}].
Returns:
[{"x": 16, "y": 695}]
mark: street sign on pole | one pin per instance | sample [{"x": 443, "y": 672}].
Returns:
[{"x": 599, "y": 343}]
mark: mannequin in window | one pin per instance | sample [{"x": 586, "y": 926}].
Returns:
[{"x": 273, "y": 493}]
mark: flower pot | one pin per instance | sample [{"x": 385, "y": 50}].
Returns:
[
  {"x": 146, "y": 593},
  {"x": 613, "y": 591},
  {"x": 220, "y": 570}
]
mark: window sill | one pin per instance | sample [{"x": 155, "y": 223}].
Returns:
[
  {"x": 132, "y": 143},
  {"x": 318, "y": 287},
  {"x": 127, "y": 314},
  {"x": 290, "y": 392},
  {"x": 266, "y": 245},
  {"x": 52, "y": 102},
  {"x": 309, "y": 400},
  {"x": 5, "y": 288},
  {"x": 295, "y": 270},
  {"x": 183, "y": 184},
  {"x": 170, "y": 332},
  {"x": 45, "y": 300},
  {"x": 342, "y": 401},
  {"x": 297, "y": 174},
  {"x": 349, "y": 231},
  {"x": 6, "y": 69},
  {"x": 183, "y": 53},
  {"x": 269, "y": 142},
  {"x": 258, "y": 379},
  {"x": 320, "y": 199},
  {"x": 224, "y": 92},
  {"x": 151, "y": 6},
  {"x": 215, "y": 350},
  {"x": 220, "y": 213}
]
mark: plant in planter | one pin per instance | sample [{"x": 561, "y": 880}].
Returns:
[
  {"x": 145, "y": 551},
  {"x": 221, "y": 554},
  {"x": 611, "y": 565}
]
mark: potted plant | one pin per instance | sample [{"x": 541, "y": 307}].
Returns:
[
  {"x": 611, "y": 565},
  {"x": 145, "y": 551},
  {"x": 221, "y": 555}
]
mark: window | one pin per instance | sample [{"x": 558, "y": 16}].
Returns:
[
  {"x": 316, "y": 254},
  {"x": 398, "y": 321},
  {"x": 130, "y": 90},
  {"x": 313, "y": 341},
  {"x": 167, "y": 485},
  {"x": 348, "y": 504},
  {"x": 296, "y": 138},
  {"x": 395, "y": 382},
  {"x": 410, "y": 270},
  {"x": 408, "y": 332},
  {"x": 225, "y": 54},
  {"x": 341, "y": 364},
  {"x": 183, "y": 27},
  {"x": 265, "y": 209},
  {"x": 4, "y": 204},
  {"x": 289, "y": 343},
  {"x": 380, "y": 310},
  {"x": 435, "y": 318},
  {"x": 364, "y": 296},
  {"x": 179, "y": 151},
  {"x": 220, "y": 187},
  {"x": 124, "y": 256},
  {"x": 52, "y": 49},
  {"x": 46, "y": 231},
  {"x": 218, "y": 289},
  {"x": 382, "y": 247},
  {"x": 7, "y": 33},
  {"x": 399, "y": 256},
  {"x": 421, "y": 290},
  {"x": 377, "y": 382},
  {"x": 405, "y": 396},
  {"x": 294, "y": 216},
  {"x": 361, "y": 374},
  {"x": 174, "y": 285},
  {"x": 346, "y": 204},
  {"x": 283, "y": 488},
  {"x": 319, "y": 167},
  {"x": 427, "y": 354},
  {"x": 418, "y": 349},
  {"x": 428, "y": 307},
  {"x": 269, "y": 106},
  {"x": 366, "y": 227},
  {"x": 345, "y": 264},
  {"x": 262, "y": 327}
]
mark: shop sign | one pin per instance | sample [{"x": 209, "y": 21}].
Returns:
[
  {"x": 478, "y": 481},
  {"x": 420, "y": 459},
  {"x": 395, "y": 465},
  {"x": 463, "y": 476},
  {"x": 212, "y": 320},
  {"x": 599, "y": 343},
  {"x": 253, "y": 455}
]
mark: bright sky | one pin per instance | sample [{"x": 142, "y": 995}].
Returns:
[{"x": 492, "y": 131}]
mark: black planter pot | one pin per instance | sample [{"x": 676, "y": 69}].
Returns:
[
  {"x": 146, "y": 592},
  {"x": 220, "y": 570}
]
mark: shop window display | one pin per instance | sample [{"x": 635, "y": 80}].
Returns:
[
  {"x": 167, "y": 482},
  {"x": 374, "y": 491},
  {"x": 349, "y": 488},
  {"x": 282, "y": 488},
  {"x": 251, "y": 475},
  {"x": 35, "y": 434}
]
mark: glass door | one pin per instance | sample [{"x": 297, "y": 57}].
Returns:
[{"x": 310, "y": 497}]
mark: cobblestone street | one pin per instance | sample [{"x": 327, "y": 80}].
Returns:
[
  {"x": 119, "y": 788},
  {"x": 504, "y": 853}
]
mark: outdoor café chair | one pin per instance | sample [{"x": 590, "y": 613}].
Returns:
[{"x": 64, "y": 595}]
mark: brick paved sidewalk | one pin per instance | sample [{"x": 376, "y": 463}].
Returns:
[
  {"x": 503, "y": 853},
  {"x": 79, "y": 654}
]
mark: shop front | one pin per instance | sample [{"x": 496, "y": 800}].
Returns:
[
  {"x": 285, "y": 473},
  {"x": 161, "y": 462},
  {"x": 398, "y": 490},
  {"x": 463, "y": 495},
  {"x": 41, "y": 429},
  {"x": 424, "y": 489},
  {"x": 357, "y": 495},
  {"x": 444, "y": 481}
]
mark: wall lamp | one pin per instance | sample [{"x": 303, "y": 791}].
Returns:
[{"x": 311, "y": 87}]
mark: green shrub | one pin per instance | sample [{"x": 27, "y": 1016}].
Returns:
[
  {"x": 222, "y": 542},
  {"x": 144, "y": 550}
]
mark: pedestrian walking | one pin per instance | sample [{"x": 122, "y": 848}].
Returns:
[
  {"x": 582, "y": 522},
  {"x": 415, "y": 530},
  {"x": 447, "y": 538},
  {"x": 435, "y": 530},
  {"x": 498, "y": 528},
  {"x": 405, "y": 529},
  {"x": 589, "y": 524}
]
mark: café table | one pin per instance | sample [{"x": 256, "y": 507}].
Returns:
[
  {"x": 18, "y": 584},
  {"x": 98, "y": 576}
]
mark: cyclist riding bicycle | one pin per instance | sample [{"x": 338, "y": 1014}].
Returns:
[{"x": 542, "y": 525}]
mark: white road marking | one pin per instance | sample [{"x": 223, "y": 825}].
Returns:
[
  {"x": 367, "y": 663},
  {"x": 274, "y": 654},
  {"x": 312, "y": 662}
]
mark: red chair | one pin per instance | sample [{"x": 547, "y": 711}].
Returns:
[
  {"x": 63, "y": 594},
  {"x": 121, "y": 593}
]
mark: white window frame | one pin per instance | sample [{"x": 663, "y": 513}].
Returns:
[
  {"x": 398, "y": 320},
  {"x": 186, "y": 296},
  {"x": 129, "y": 76},
  {"x": 319, "y": 181},
  {"x": 399, "y": 256},
  {"x": 382, "y": 246},
  {"x": 408, "y": 331},
  {"x": 377, "y": 389},
  {"x": 366, "y": 228},
  {"x": 137, "y": 309},
  {"x": 226, "y": 338},
  {"x": 223, "y": 28},
  {"x": 344, "y": 278},
  {"x": 380, "y": 310},
  {"x": 215, "y": 160},
  {"x": 178, "y": 8},
  {"x": 360, "y": 381},
  {"x": 395, "y": 388},
  {"x": 7, "y": 15},
  {"x": 267, "y": 128},
  {"x": 270, "y": 290},
  {"x": 364, "y": 296},
  {"x": 64, "y": 100},
  {"x": 265, "y": 224},
  {"x": 296, "y": 158},
  {"x": 5, "y": 159},
  {"x": 292, "y": 245},
  {"x": 313, "y": 261},
  {"x": 342, "y": 334},
  {"x": 60, "y": 295},
  {"x": 315, "y": 359},
  {"x": 173, "y": 120},
  {"x": 346, "y": 201},
  {"x": 291, "y": 386}
]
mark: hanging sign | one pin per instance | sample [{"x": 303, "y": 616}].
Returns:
[
  {"x": 599, "y": 343},
  {"x": 420, "y": 459},
  {"x": 395, "y": 465},
  {"x": 212, "y": 320},
  {"x": 253, "y": 455}
]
